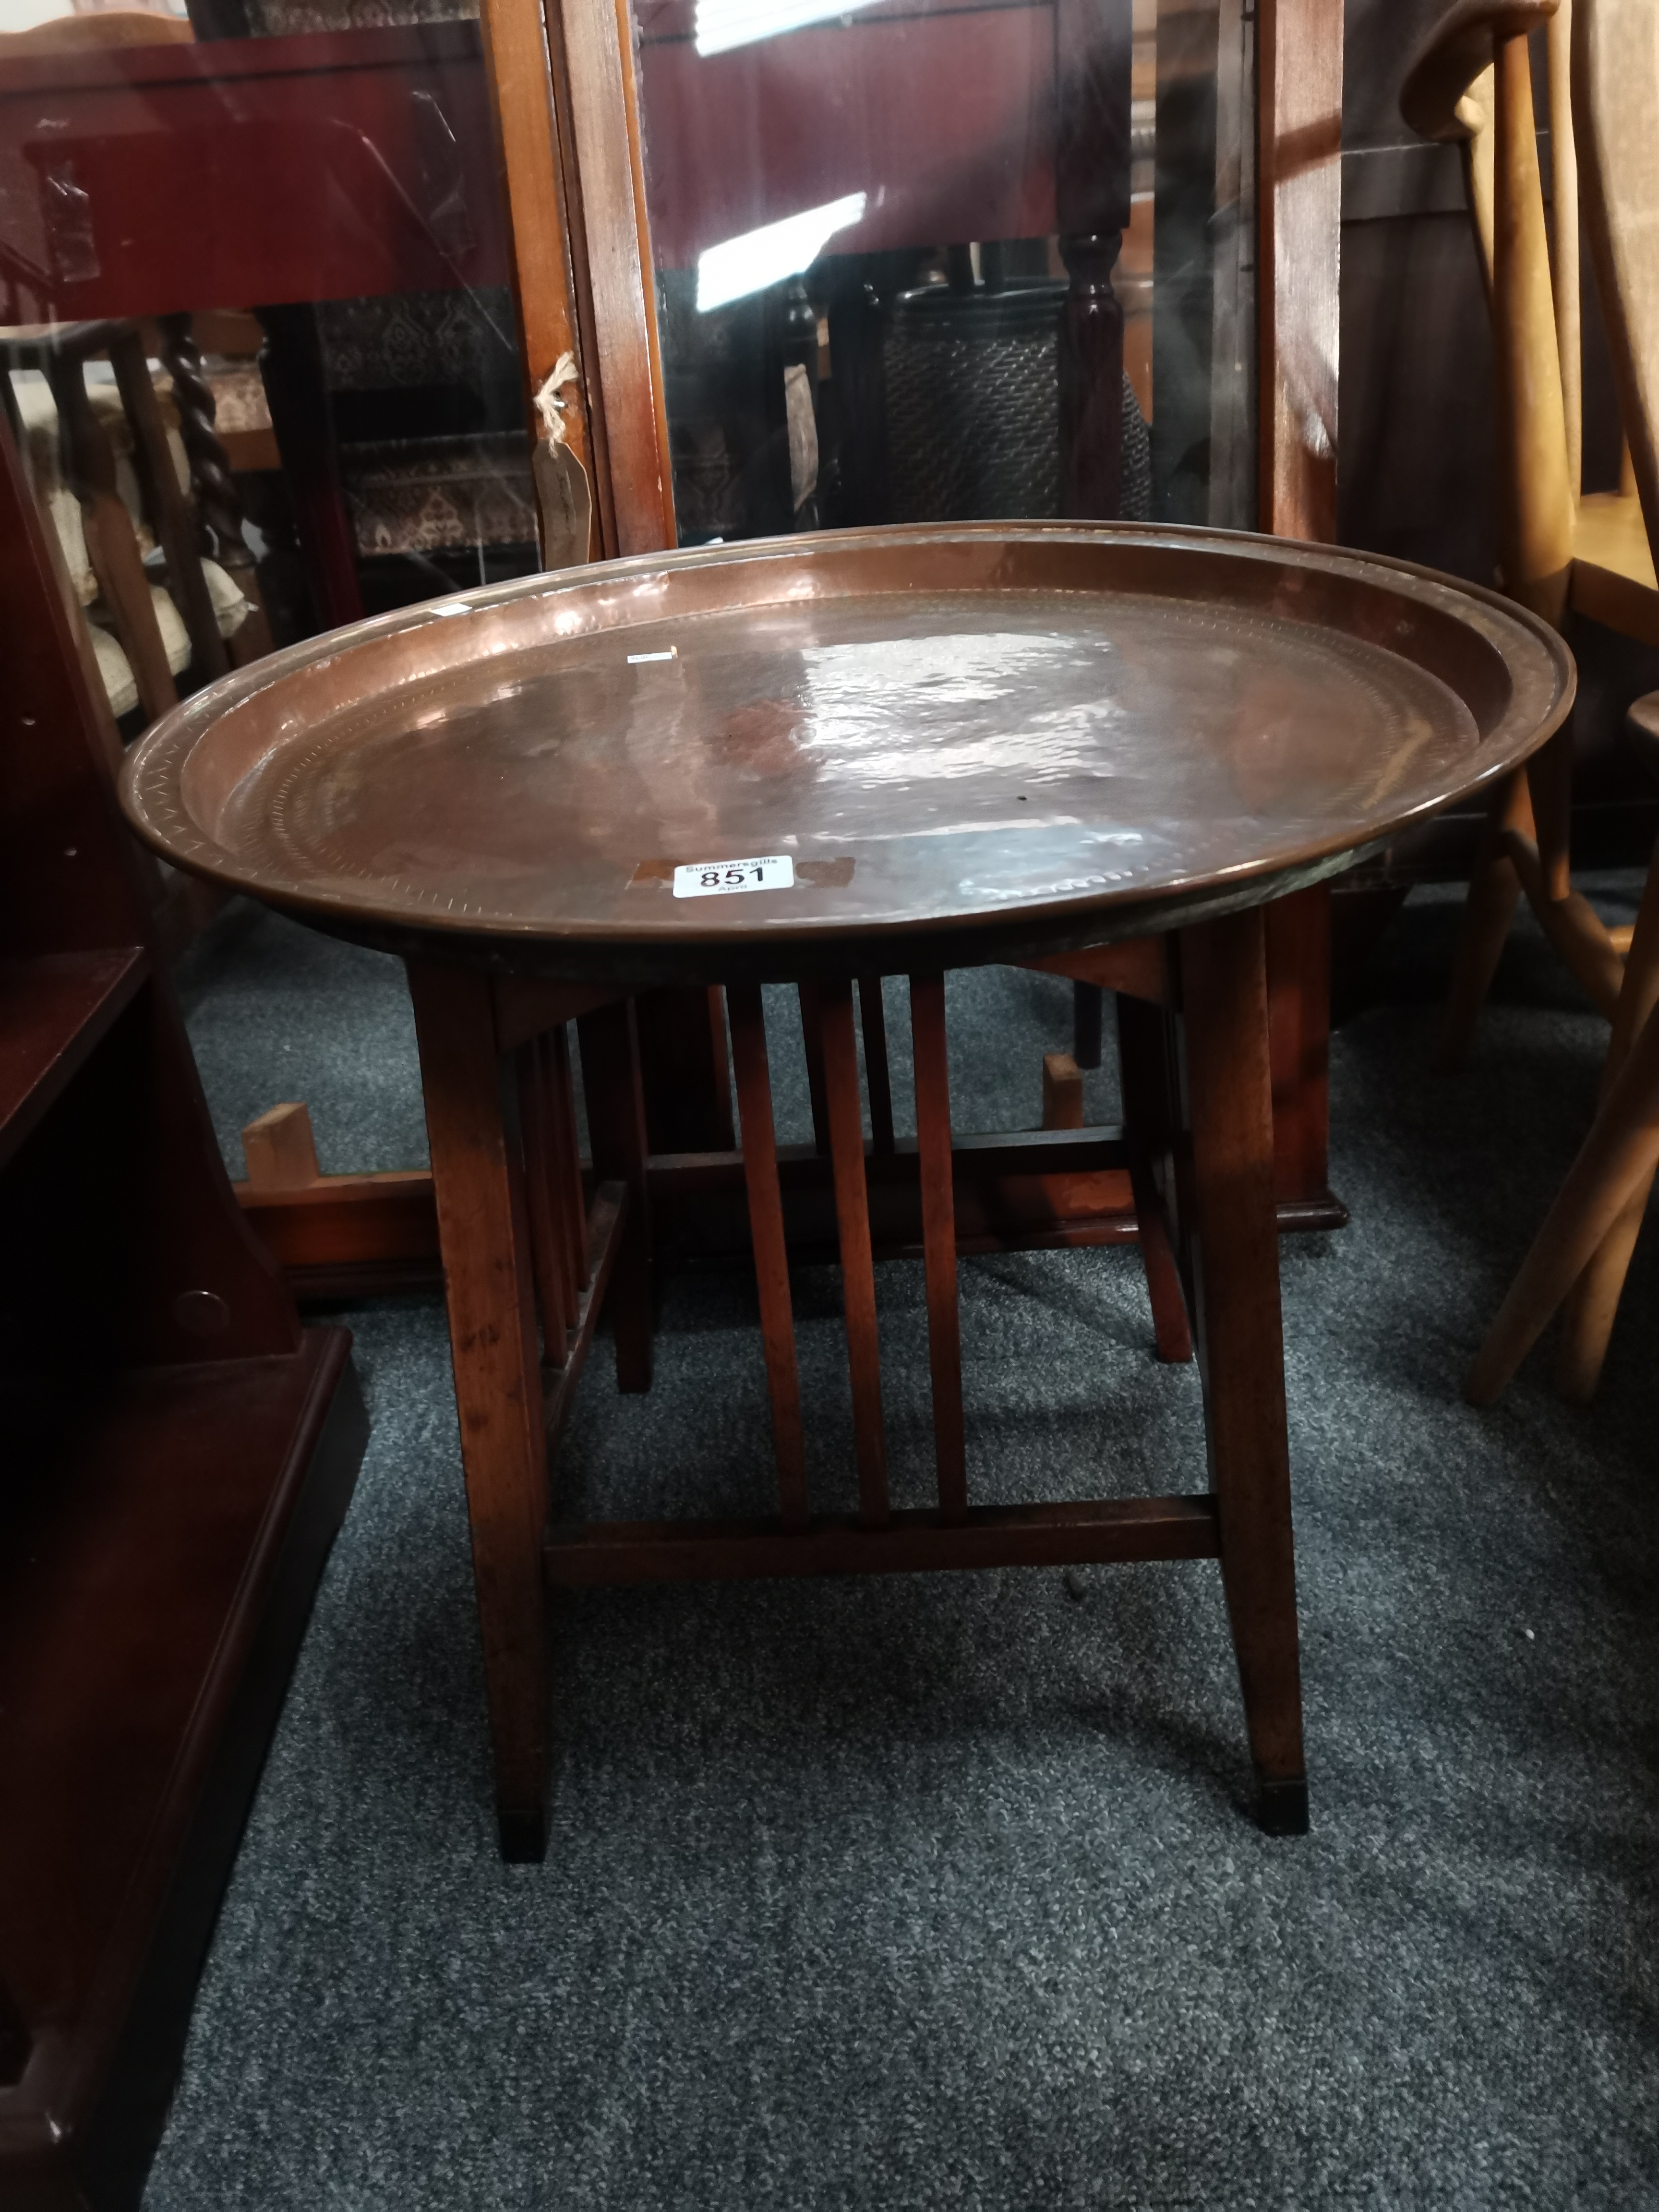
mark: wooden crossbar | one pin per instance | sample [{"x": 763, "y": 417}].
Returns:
[{"x": 1116, "y": 1529}]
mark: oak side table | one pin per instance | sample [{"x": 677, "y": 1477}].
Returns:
[{"x": 1094, "y": 748}]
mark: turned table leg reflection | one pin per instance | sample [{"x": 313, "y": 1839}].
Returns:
[{"x": 529, "y": 1258}]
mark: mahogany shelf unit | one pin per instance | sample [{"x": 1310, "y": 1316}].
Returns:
[{"x": 179, "y": 1452}]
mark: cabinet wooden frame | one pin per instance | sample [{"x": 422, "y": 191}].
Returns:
[{"x": 567, "y": 96}]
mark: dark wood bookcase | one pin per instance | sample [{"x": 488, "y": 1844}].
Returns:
[{"x": 176, "y": 1452}]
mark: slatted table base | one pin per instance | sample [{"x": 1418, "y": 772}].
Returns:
[{"x": 529, "y": 1263}]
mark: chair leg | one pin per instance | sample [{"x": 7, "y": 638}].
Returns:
[
  {"x": 1592, "y": 1305},
  {"x": 483, "y": 1234},
  {"x": 1587, "y": 1322},
  {"x": 1233, "y": 1225},
  {"x": 1617, "y": 1160},
  {"x": 1494, "y": 888}
]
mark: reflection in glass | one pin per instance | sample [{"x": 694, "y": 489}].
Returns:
[
  {"x": 1037, "y": 298},
  {"x": 288, "y": 227}
]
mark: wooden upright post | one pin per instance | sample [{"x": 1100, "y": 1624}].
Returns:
[{"x": 1093, "y": 60}]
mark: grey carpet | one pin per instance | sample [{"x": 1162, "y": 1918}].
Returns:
[{"x": 938, "y": 1891}]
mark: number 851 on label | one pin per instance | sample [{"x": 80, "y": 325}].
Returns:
[{"x": 718, "y": 879}]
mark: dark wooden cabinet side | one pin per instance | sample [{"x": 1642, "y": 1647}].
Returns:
[{"x": 179, "y": 1451}]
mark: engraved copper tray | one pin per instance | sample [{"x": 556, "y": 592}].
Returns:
[{"x": 967, "y": 741}]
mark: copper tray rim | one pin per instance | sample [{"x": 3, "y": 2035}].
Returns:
[{"x": 153, "y": 765}]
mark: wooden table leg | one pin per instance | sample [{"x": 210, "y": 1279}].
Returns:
[
  {"x": 478, "y": 1182},
  {"x": 1234, "y": 1266}
]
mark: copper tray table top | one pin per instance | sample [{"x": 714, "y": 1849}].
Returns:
[{"x": 967, "y": 741}]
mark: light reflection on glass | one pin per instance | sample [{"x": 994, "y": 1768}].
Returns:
[
  {"x": 723, "y": 24},
  {"x": 756, "y": 258}
]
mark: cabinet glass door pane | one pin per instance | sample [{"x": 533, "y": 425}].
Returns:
[
  {"x": 294, "y": 221},
  {"x": 918, "y": 260}
]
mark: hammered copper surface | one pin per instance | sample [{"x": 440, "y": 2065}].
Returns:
[{"x": 1052, "y": 729}]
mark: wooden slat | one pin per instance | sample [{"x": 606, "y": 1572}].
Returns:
[
  {"x": 1143, "y": 1058},
  {"x": 604, "y": 1229},
  {"x": 1110, "y": 1529},
  {"x": 615, "y": 1129},
  {"x": 111, "y": 542},
  {"x": 976, "y": 1157},
  {"x": 878, "y": 1080},
  {"x": 166, "y": 506},
  {"x": 841, "y": 1084},
  {"x": 811, "y": 1037},
  {"x": 552, "y": 1296},
  {"x": 938, "y": 1230},
  {"x": 760, "y": 1159},
  {"x": 569, "y": 1208},
  {"x": 567, "y": 1162}
]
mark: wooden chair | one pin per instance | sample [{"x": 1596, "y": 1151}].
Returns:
[
  {"x": 1581, "y": 1252},
  {"x": 1561, "y": 552},
  {"x": 208, "y": 615}
]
